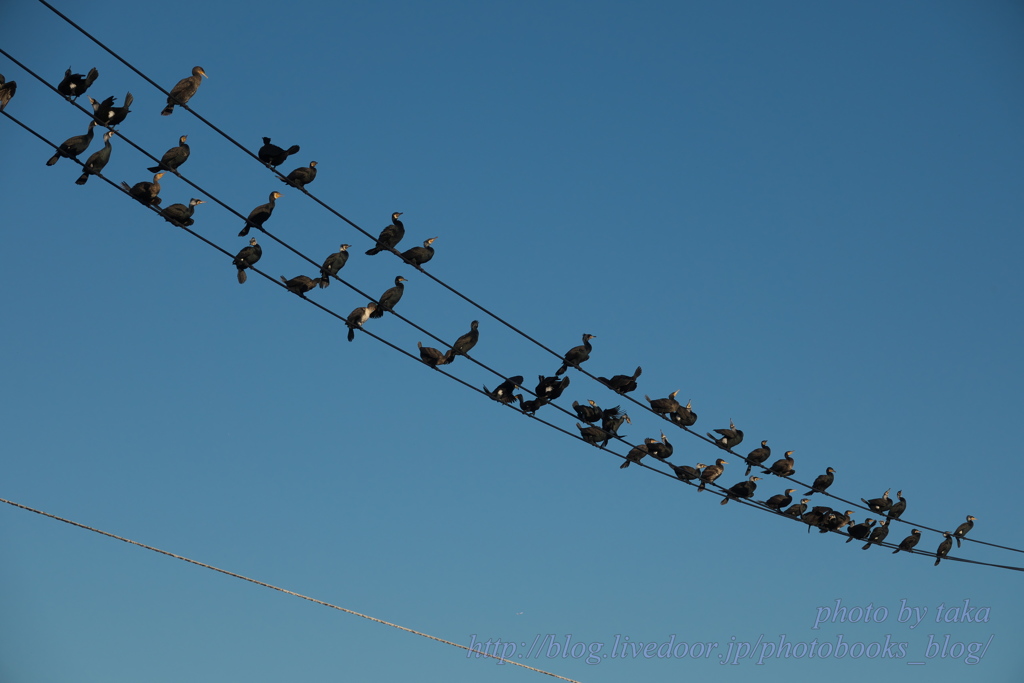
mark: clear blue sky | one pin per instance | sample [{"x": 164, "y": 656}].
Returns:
[{"x": 804, "y": 216}]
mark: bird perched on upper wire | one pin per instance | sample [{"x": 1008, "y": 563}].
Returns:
[
  {"x": 782, "y": 467},
  {"x": 145, "y": 192},
  {"x": 879, "y": 504},
  {"x": 757, "y": 457},
  {"x": 272, "y": 155},
  {"x": 729, "y": 437},
  {"x": 300, "y": 284},
  {"x": 962, "y": 530},
  {"x": 822, "y": 482},
  {"x": 390, "y": 236},
  {"x": 7, "y": 90},
  {"x": 417, "y": 256},
  {"x": 106, "y": 114},
  {"x": 181, "y": 215},
  {"x": 246, "y": 258},
  {"x": 74, "y": 85},
  {"x": 577, "y": 354},
  {"x": 301, "y": 176},
  {"x": 184, "y": 90},
  {"x": 664, "y": 406},
  {"x": 431, "y": 356},
  {"x": 909, "y": 542},
  {"x": 622, "y": 384},
  {"x": 684, "y": 415}
]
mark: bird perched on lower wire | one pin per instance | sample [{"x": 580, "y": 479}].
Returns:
[
  {"x": 822, "y": 482},
  {"x": 684, "y": 415},
  {"x": 531, "y": 406},
  {"x": 465, "y": 343},
  {"x": 357, "y": 317},
  {"x": 180, "y": 214},
  {"x": 417, "y": 256},
  {"x": 73, "y": 146},
  {"x": 594, "y": 435},
  {"x": 332, "y": 264},
  {"x": 744, "y": 489},
  {"x": 74, "y": 85},
  {"x": 145, "y": 192},
  {"x": 431, "y": 356},
  {"x": 301, "y": 176},
  {"x": 878, "y": 534},
  {"x": 97, "y": 160},
  {"x": 858, "y": 532},
  {"x": 259, "y": 215},
  {"x": 300, "y": 284},
  {"x": 944, "y": 547},
  {"x": 710, "y": 473},
  {"x": 390, "y": 298},
  {"x": 909, "y": 542},
  {"x": 503, "y": 393},
  {"x": 798, "y": 509},
  {"x": 184, "y": 89},
  {"x": 272, "y": 155},
  {"x": 551, "y": 387},
  {"x": 390, "y": 236},
  {"x": 962, "y": 530},
  {"x": 687, "y": 473},
  {"x": 246, "y": 258},
  {"x": 728, "y": 437},
  {"x": 173, "y": 158},
  {"x": 106, "y": 114},
  {"x": 780, "y": 500},
  {"x": 757, "y": 457},
  {"x": 7, "y": 90},
  {"x": 622, "y": 384},
  {"x": 636, "y": 453},
  {"x": 577, "y": 354}
]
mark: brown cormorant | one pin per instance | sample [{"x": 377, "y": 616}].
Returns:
[
  {"x": 780, "y": 500},
  {"x": 300, "y": 284},
  {"x": 7, "y": 90},
  {"x": 465, "y": 343},
  {"x": 909, "y": 542},
  {"x": 551, "y": 388},
  {"x": 782, "y": 467},
  {"x": 73, "y": 146},
  {"x": 97, "y": 160},
  {"x": 390, "y": 298},
  {"x": 878, "y": 534},
  {"x": 184, "y": 90},
  {"x": 301, "y": 176},
  {"x": 390, "y": 236},
  {"x": 145, "y": 192},
  {"x": 259, "y": 215},
  {"x": 944, "y": 547},
  {"x": 577, "y": 354},
  {"x": 962, "y": 530},
  {"x": 272, "y": 155},
  {"x": 622, "y": 384},
  {"x": 860, "y": 531},
  {"x": 687, "y": 473},
  {"x": 822, "y": 482},
  {"x": 729, "y": 437},
  {"x": 431, "y": 356},
  {"x": 75, "y": 85},
  {"x": 636, "y": 453},
  {"x": 245, "y": 258},
  {"x": 744, "y": 489},
  {"x": 587, "y": 413},
  {"x": 503, "y": 393},
  {"x": 332, "y": 264},
  {"x": 879, "y": 504},
  {"x": 899, "y": 507},
  {"x": 662, "y": 450},
  {"x": 664, "y": 406},
  {"x": 799, "y": 509},
  {"x": 711, "y": 472},
  {"x": 594, "y": 435},
  {"x": 106, "y": 114},
  {"x": 357, "y": 317},
  {"x": 417, "y": 256},
  {"x": 173, "y": 158},
  {"x": 684, "y": 416},
  {"x": 756, "y": 457},
  {"x": 181, "y": 215}
]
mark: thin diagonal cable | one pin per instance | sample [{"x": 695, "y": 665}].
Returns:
[{"x": 278, "y": 588}]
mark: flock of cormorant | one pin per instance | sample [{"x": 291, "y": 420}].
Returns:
[{"x": 549, "y": 388}]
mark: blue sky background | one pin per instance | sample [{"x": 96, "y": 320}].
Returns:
[{"x": 804, "y": 216}]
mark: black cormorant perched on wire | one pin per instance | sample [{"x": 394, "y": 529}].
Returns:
[
  {"x": 878, "y": 534},
  {"x": 944, "y": 547},
  {"x": 729, "y": 437},
  {"x": 245, "y": 258},
  {"x": 962, "y": 530},
  {"x": 465, "y": 343},
  {"x": 909, "y": 542},
  {"x": 879, "y": 504},
  {"x": 301, "y": 176},
  {"x": 504, "y": 392},
  {"x": 181, "y": 215},
  {"x": 431, "y": 356},
  {"x": 664, "y": 406},
  {"x": 687, "y": 473},
  {"x": 145, "y": 192},
  {"x": 899, "y": 507},
  {"x": 594, "y": 435},
  {"x": 106, "y": 114},
  {"x": 577, "y": 354},
  {"x": 780, "y": 500},
  {"x": 710, "y": 473},
  {"x": 684, "y": 415},
  {"x": 73, "y": 146},
  {"x": 173, "y": 158},
  {"x": 636, "y": 453},
  {"x": 389, "y": 298},
  {"x": 814, "y": 516},
  {"x": 744, "y": 489},
  {"x": 587, "y": 413},
  {"x": 357, "y": 317},
  {"x": 300, "y": 284},
  {"x": 390, "y": 236},
  {"x": 757, "y": 457},
  {"x": 858, "y": 532},
  {"x": 332, "y": 264},
  {"x": 532, "y": 406},
  {"x": 75, "y": 85},
  {"x": 822, "y": 482},
  {"x": 622, "y": 384},
  {"x": 7, "y": 90},
  {"x": 662, "y": 450},
  {"x": 417, "y": 256},
  {"x": 184, "y": 90},
  {"x": 97, "y": 160},
  {"x": 834, "y": 521},
  {"x": 798, "y": 509},
  {"x": 259, "y": 215},
  {"x": 551, "y": 387},
  {"x": 272, "y": 155},
  {"x": 612, "y": 419},
  {"x": 782, "y": 467}
]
